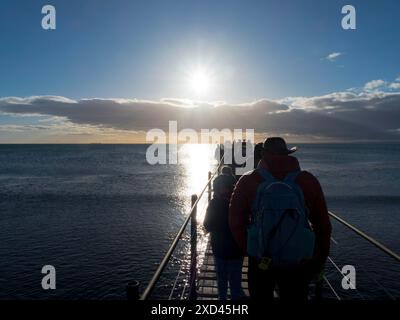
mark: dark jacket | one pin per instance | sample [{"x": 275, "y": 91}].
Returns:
[
  {"x": 216, "y": 222},
  {"x": 279, "y": 166}
]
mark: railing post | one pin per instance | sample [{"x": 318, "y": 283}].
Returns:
[
  {"x": 209, "y": 185},
  {"x": 132, "y": 290},
  {"x": 193, "y": 252}
]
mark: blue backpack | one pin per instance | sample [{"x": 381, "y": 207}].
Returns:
[{"x": 279, "y": 234}]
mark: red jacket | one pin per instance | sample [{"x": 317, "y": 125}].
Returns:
[{"x": 279, "y": 166}]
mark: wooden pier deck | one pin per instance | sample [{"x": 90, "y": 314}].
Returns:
[{"x": 207, "y": 278}]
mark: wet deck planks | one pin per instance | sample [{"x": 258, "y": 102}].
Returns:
[{"x": 207, "y": 278}]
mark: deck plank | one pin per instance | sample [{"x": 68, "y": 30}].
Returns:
[
  {"x": 207, "y": 288},
  {"x": 207, "y": 278}
]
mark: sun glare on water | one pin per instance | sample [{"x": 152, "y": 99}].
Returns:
[{"x": 198, "y": 161}]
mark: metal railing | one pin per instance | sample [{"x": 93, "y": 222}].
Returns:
[
  {"x": 193, "y": 242},
  {"x": 362, "y": 234}
]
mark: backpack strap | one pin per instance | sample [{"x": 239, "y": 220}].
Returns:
[
  {"x": 291, "y": 180},
  {"x": 266, "y": 174},
  {"x": 268, "y": 178},
  {"x": 291, "y": 176}
]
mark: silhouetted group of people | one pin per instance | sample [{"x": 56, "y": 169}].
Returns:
[{"x": 276, "y": 215}]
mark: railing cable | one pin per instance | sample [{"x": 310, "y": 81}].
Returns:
[
  {"x": 331, "y": 287},
  {"x": 345, "y": 276},
  {"x": 366, "y": 237}
]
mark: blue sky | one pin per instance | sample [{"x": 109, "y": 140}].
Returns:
[{"x": 146, "y": 49}]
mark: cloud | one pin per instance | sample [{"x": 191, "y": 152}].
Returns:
[
  {"x": 381, "y": 84},
  {"x": 339, "y": 116},
  {"x": 20, "y": 128},
  {"x": 395, "y": 86},
  {"x": 372, "y": 115},
  {"x": 374, "y": 84},
  {"x": 333, "y": 56}
]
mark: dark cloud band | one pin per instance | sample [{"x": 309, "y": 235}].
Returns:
[{"x": 342, "y": 115}]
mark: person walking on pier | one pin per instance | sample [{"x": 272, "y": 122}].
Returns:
[
  {"x": 227, "y": 254},
  {"x": 278, "y": 215}
]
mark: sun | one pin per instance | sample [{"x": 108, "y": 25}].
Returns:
[{"x": 200, "y": 81}]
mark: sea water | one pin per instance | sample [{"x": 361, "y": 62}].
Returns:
[{"x": 102, "y": 216}]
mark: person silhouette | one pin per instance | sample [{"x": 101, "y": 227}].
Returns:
[
  {"x": 266, "y": 271},
  {"x": 227, "y": 254}
]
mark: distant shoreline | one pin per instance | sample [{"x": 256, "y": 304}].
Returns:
[{"x": 145, "y": 143}]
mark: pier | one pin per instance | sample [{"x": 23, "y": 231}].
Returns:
[{"x": 202, "y": 283}]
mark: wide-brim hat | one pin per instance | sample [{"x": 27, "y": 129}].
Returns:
[{"x": 277, "y": 145}]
